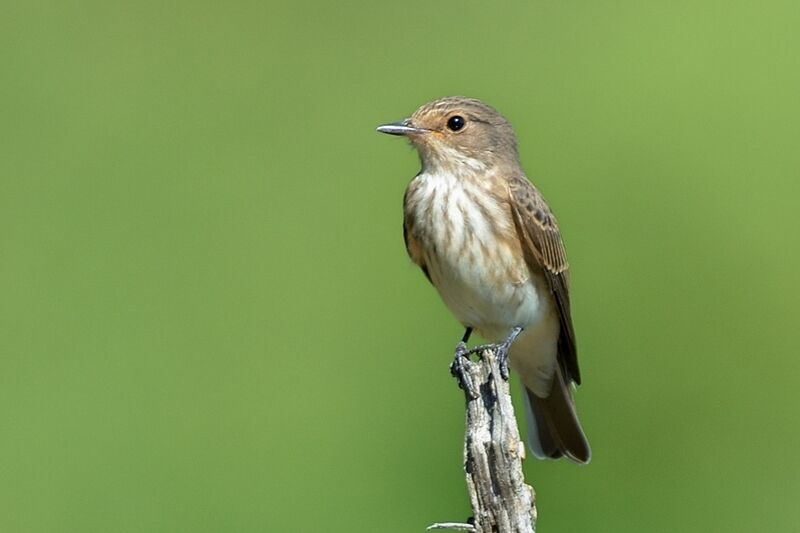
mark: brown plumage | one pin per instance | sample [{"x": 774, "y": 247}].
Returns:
[{"x": 487, "y": 240}]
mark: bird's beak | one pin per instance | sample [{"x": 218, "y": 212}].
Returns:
[{"x": 402, "y": 127}]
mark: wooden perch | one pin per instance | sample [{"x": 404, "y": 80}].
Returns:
[{"x": 493, "y": 453}]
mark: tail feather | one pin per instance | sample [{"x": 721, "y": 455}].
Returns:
[{"x": 553, "y": 427}]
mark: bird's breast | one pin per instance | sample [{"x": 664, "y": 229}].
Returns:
[{"x": 466, "y": 239}]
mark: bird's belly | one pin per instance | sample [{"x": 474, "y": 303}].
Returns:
[
  {"x": 493, "y": 299},
  {"x": 462, "y": 233},
  {"x": 489, "y": 290},
  {"x": 467, "y": 240}
]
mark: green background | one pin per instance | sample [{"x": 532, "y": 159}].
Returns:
[{"x": 209, "y": 322}]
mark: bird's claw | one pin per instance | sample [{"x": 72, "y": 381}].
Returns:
[
  {"x": 462, "y": 350},
  {"x": 459, "y": 372},
  {"x": 500, "y": 350},
  {"x": 503, "y": 349},
  {"x": 502, "y": 358},
  {"x": 462, "y": 354}
]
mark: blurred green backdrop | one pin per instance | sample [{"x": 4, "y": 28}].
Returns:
[{"x": 209, "y": 322}]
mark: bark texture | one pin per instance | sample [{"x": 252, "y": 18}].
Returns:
[{"x": 493, "y": 452}]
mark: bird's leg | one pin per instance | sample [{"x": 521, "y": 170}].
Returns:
[
  {"x": 461, "y": 347},
  {"x": 500, "y": 350},
  {"x": 457, "y": 367}
]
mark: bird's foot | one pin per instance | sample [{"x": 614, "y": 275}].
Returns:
[
  {"x": 500, "y": 350},
  {"x": 459, "y": 372}
]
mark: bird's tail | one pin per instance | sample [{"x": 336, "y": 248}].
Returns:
[{"x": 553, "y": 427}]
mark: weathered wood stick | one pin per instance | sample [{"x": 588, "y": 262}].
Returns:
[{"x": 493, "y": 453}]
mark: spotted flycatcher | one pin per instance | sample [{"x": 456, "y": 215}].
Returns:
[{"x": 486, "y": 239}]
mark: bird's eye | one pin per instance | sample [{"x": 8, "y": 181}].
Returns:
[{"x": 456, "y": 122}]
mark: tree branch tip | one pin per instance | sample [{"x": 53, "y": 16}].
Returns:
[{"x": 458, "y": 526}]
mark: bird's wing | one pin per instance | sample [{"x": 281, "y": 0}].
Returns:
[
  {"x": 412, "y": 246},
  {"x": 413, "y": 251},
  {"x": 544, "y": 252}
]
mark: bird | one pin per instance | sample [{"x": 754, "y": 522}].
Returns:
[{"x": 486, "y": 239}]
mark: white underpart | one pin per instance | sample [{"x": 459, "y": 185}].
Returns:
[{"x": 492, "y": 296}]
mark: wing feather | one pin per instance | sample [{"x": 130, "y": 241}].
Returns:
[
  {"x": 544, "y": 252},
  {"x": 412, "y": 246}
]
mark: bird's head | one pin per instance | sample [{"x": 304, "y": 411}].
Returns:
[{"x": 458, "y": 133}]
